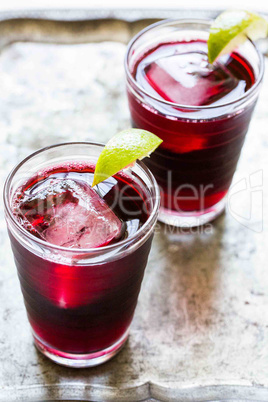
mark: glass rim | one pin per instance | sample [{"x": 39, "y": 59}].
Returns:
[
  {"x": 171, "y": 21},
  {"x": 136, "y": 236}
]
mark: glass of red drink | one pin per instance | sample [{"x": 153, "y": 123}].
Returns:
[
  {"x": 201, "y": 112},
  {"x": 80, "y": 253}
]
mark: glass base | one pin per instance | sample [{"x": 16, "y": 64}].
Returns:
[
  {"x": 80, "y": 360},
  {"x": 191, "y": 219}
]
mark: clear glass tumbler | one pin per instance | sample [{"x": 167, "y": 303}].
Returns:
[
  {"x": 194, "y": 165},
  {"x": 80, "y": 302}
]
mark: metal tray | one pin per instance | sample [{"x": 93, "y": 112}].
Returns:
[{"x": 200, "y": 332}]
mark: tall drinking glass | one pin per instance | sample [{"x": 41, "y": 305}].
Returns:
[
  {"x": 80, "y": 301},
  {"x": 201, "y": 112}
]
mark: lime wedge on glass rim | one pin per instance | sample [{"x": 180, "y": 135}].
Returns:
[
  {"x": 231, "y": 29},
  {"x": 123, "y": 150}
]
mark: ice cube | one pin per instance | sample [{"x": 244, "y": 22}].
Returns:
[
  {"x": 70, "y": 214},
  {"x": 189, "y": 79}
]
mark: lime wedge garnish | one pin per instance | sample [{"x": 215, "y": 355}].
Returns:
[
  {"x": 122, "y": 150},
  {"x": 231, "y": 29}
]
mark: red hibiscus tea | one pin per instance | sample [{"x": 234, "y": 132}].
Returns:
[
  {"x": 201, "y": 111},
  {"x": 80, "y": 253}
]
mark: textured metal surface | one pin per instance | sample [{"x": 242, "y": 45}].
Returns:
[
  {"x": 83, "y": 26},
  {"x": 200, "y": 332}
]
